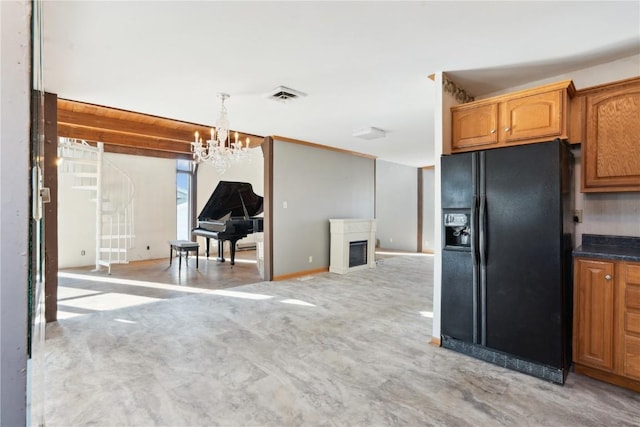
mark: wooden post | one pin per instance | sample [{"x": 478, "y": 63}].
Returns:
[
  {"x": 50, "y": 180},
  {"x": 267, "y": 154}
]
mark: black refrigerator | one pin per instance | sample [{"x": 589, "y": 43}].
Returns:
[{"x": 507, "y": 219}]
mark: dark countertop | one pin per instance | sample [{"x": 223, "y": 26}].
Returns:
[{"x": 618, "y": 248}]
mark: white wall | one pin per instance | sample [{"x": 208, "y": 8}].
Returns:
[
  {"x": 428, "y": 214},
  {"x": 14, "y": 209},
  {"x": 155, "y": 211},
  {"x": 155, "y": 205},
  {"x": 604, "y": 73},
  {"x": 442, "y": 131},
  {"x": 316, "y": 185},
  {"x": 250, "y": 170},
  {"x": 605, "y": 213},
  {"x": 396, "y": 206},
  {"x": 76, "y": 224}
]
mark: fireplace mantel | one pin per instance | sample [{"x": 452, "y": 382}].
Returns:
[{"x": 347, "y": 231}]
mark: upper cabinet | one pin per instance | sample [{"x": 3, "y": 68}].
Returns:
[
  {"x": 524, "y": 117},
  {"x": 607, "y": 122},
  {"x": 475, "y": 126}
]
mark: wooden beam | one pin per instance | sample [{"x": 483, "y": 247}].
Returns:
[
  {"x": 121, "y": 149},
  {"x": 134, "y": 151},
  {"x": 113, "y": 137},
  {"x": 113, "y": 126},
  {"x": 77, "y": 107},
  {"x": 50, "y": 181},
  {"x": 179, "y": 132}
]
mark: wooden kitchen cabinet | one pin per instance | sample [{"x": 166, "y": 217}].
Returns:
[
  {"x": 608, "y": 118},
  {"x": 606, "y": 328},
  {"x": 630, "y": 322},
  {"x": 476, "y": 126},
  {"x": 524, "y": 117},
  {"x": 594, "y": 302}
]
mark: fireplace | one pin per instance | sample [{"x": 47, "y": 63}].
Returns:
[
  {"x": 357, "y": 253},
  {"x": 352, "y": 244}
]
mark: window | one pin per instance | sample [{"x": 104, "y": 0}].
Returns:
[{"x": 184, "y": 198}]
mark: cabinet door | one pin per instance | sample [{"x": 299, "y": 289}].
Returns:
[
  {"x": 611, "y": 154},
  {"x": 631, "y": 322},
  {"x": 532, "y": 117},
  {"x": 474, "y": 126},
  {"x": 594, "y": 299}
]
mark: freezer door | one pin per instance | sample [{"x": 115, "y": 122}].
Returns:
[
  {"x": 457, "y": 181},
  {"x": 459, "y": 267},
  {"x": 457, "y": 307},
  {"x": 523, "y": 234}
]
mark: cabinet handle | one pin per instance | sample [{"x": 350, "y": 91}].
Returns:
[
  {"x": 607, "y": 277},
  {"x": 507, "y": 129},
  {"x": 493, "y": 131}
]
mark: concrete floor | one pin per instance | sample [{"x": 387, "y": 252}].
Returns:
[{"x": 326, "y": 350}]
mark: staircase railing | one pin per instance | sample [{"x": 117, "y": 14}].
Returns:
[{"x": 114, "y": 197}]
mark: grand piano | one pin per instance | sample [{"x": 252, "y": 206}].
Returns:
[{"x": 230, "y": 214}]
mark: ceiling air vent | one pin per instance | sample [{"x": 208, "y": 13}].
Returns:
[
  {"x": 369, "y": 133},
  {"x": 284, "y": 94}
]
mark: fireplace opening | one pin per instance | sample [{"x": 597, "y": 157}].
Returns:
[
  {"x": 352, "y": 244},
  {"x": 357, "y": 253}
]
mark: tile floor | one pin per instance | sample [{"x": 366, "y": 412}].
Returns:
[{"x": 329, "y": 350}]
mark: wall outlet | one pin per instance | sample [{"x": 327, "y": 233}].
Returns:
[
  {"x": 577, "y": 215},
  {"x": 390, "y": 239},
  {"x": 147, "y": 247},
  {"x": 83, "y": 252},
  {"x": 310, "y": 259}
]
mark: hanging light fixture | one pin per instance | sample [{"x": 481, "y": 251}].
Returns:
[{"x": 219, "y": 150}]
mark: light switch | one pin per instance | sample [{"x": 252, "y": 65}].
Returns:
[{"x": 284, "y": 205}]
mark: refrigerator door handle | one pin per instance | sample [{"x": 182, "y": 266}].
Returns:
[
  {"x": 476, "y": 269},
  {"x": 482, "y": 249},
  {"x": 476, "y": 169},
  {"x": 474, "y": 232},
  {"x": 483, "y": 230}
]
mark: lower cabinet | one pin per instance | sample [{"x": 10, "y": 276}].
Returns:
[
  {"x": 631, "y": 322},
  {"x": 606, "y": 336}
]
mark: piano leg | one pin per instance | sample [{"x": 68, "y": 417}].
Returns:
[
  {"x": 207, "y": 246},
  {"x": 232, "y": 243},
  {"x": 221, "y": 251}
]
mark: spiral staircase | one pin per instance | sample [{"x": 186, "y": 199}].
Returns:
[{"x": 111, "y": 189}]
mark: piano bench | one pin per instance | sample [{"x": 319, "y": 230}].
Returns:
[{"x": 183, "y": 247}]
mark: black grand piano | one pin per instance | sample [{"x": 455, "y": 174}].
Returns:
[{"x": 230, "y": 215}]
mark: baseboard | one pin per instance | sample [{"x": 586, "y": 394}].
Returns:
[
  {"x": 608, "y": 377},
  {"x": 435, "y": 341},
  {"x": 300, "y": 274},
  {"x": 245, "y": 246}
]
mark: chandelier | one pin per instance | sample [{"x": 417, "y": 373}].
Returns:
[{"x": 219, "y": 150}]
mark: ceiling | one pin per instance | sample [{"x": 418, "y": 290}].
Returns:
[{"x": 360, "y": 63}]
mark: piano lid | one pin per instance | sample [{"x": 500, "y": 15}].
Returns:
[{"x": 227, "y": 199}]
